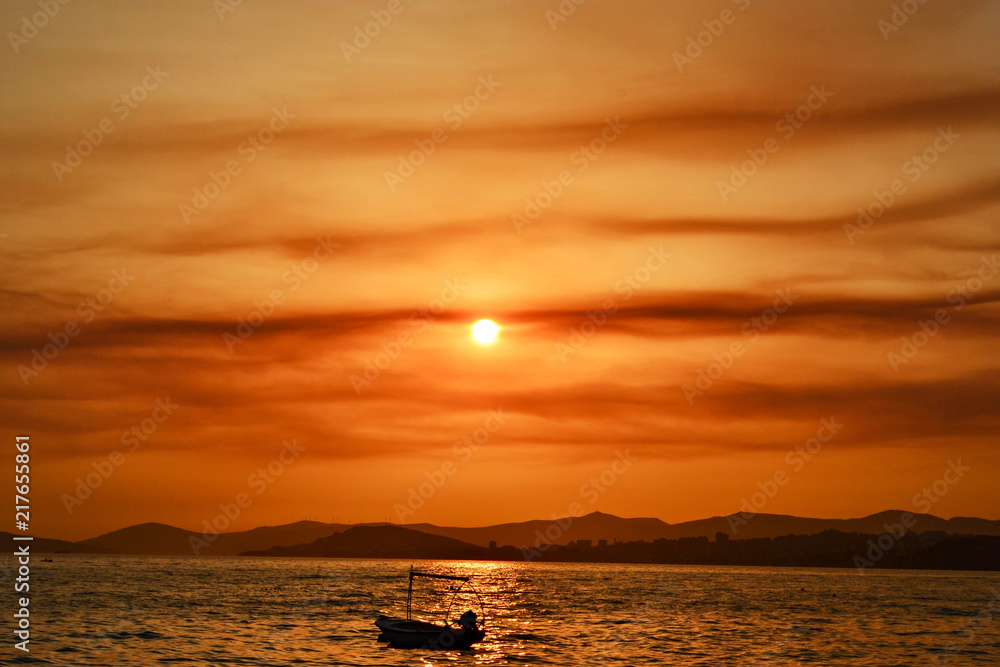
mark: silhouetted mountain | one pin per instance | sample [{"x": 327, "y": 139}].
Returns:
[
  {"x": 599, "y": 526},
  {"x": 145, "y": 538},
  {"x": 384, "y": 541},
  {"x": 162, "y": 539},
  {"x": 776, "y": 525},
  {"x": 42, "y": 545},
  {"x": 229, "y": 544},
  {"x": 596, "y": 525},
  {"x": 830, "y": 548}
]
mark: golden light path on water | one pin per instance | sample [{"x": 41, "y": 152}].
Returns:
[{"x": 136, "y": 611}]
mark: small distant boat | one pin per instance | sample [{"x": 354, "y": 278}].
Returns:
[{"x": 408, "y": 633}]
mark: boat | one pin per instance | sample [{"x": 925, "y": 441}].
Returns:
[{"x": 461, "y": 633}]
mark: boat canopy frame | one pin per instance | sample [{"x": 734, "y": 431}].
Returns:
[{"x": 447, "y": 613}]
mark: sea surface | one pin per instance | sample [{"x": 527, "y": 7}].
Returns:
[{"x": 103, "y": 610}]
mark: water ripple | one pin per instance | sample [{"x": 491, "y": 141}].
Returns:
[{"x": 140, "y": 611}]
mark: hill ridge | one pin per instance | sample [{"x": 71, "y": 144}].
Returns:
[{"x": 157, "y": 538}]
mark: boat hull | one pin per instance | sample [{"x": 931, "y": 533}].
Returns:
[{"x": 419, "y": 634}]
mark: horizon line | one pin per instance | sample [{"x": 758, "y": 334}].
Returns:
[{"x": 568, "y": 516}]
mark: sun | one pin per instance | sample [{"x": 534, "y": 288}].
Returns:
[{"x": 485, "y": 331}]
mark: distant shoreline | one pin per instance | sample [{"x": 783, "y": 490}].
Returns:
[
  {"x": 930, "y": 550},
  {"x": 488, "y": 560}
]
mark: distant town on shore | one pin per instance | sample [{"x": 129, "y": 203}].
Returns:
[{"x": 891, "y": 539}]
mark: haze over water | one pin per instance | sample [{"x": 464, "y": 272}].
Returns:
[{"x": 103, "y": 610}]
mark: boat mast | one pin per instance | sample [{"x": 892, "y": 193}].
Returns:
[
  {"x": 409, "y": 589},
  {"x": 409, "y": 594}
]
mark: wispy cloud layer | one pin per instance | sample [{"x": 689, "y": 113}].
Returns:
[{"x": 315, "y": 277}]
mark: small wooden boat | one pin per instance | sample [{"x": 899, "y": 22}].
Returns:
[{"x": 409, "y": 633}]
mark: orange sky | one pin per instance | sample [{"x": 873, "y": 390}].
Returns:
[{"x": 497, "y": 159}]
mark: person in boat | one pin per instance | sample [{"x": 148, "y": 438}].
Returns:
[{"x": 468, "y": 620}]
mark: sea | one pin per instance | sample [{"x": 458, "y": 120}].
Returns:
[{"x": 108, "y": 610}]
